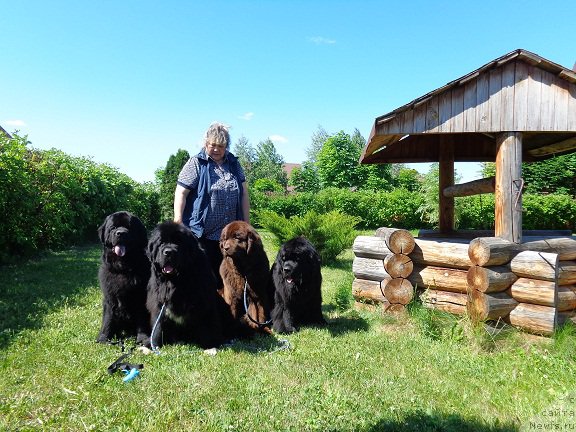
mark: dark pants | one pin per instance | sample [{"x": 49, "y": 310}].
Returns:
[{"x": 212, "y": 248}]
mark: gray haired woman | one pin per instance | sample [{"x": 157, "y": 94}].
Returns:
[{"x": 211, "y": 192}]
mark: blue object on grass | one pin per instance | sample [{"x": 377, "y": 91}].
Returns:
[{"x": 130, "y": 374}]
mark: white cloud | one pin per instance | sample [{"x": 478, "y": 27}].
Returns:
[
  {"x": 246, "y": 116},
  {"x": 278, "y": 139},
  {"x": 321, "y": 40},
  {"x": 16, "y": 123}
]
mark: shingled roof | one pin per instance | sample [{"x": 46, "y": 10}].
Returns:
[{"x": 520, "y": 92}]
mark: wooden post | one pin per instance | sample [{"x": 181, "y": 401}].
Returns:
[
  {"x": 508, "y": 190},
  {"x": 446, "y": 179}
]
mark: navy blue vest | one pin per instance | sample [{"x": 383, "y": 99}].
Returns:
[{"x": 198, "y": 199}]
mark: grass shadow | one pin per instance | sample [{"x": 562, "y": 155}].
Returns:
[
  {"x": 350, "y": 322},
  {"x": 423, "y": 422},
  {"x": 31, "y": 290},
  {"x": 259, "y": 344}
]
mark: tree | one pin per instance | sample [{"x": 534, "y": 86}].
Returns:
[
  {"x": 269, "y": 164},
  {"x": 305, "y": 178},
  {"x": 167, "y": 179},
  {"x": 337, "y": 162},
  {"x": 246, "y": 155},
  {"x": 318, "y": 139},
  {"x": 407, "y": 178},
  {"x": 554, "y": 175}
]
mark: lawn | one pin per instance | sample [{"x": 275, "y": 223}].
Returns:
[{"x": 365, "y": 371}]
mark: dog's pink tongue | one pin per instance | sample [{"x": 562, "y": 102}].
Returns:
[
  {"x": 167, "y": 269},
  {"x": 289, "y": 280},
  {"x": 120, "y": 250}
]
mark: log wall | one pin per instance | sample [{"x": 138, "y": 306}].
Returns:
[
  {"x": 381, "y": 269},
  {"x": 531, "y": 285}
]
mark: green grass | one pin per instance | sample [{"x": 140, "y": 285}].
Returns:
[{"x": 422, "y": 371}]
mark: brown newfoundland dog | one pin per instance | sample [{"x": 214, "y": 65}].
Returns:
[{"x": 245, "y": 271}]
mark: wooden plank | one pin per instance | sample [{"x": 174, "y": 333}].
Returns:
[
  {"x": 470, "y": 106},
  {"x": 432, "y": 115},
  {"x": 561, "y": 104},
  {"x": 534, "y": 98},
  {"x": 495, "y": 99},
  {"x": 571, "y": 126},
  {"x": 408, "y": 121},
  {"x": 457, "y": 109},
  {"x": 521, "y": 97},
  {"x": 482, "y": 105},
  {"x": 507, "y": 113},
  {"x": 547, "y": 103},
  {"x": 420, "y": 119},
  {"x": 508, "y": 200},
  {"x": 445, "y": 112}
]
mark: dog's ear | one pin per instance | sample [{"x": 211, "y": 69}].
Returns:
[
  {"x": 102, "y": 230},
  {"x": 139, "y": 231},
  {"x": 254, "y": 240},
  {"x": 153, "y": 244}
]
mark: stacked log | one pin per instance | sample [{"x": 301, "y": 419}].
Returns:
[
  {"x": 531, "y": 285},
  {"x": 440, "y": 273},
  {"x": 381, "y": 268}
]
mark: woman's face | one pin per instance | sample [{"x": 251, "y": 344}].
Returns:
[{"x": 215, "y": 151}]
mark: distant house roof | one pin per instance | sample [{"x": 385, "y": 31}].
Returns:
[
  {"x": 288, "y": 167},
  {"x": 3, "y": 131},
  {"x": 519, "y": 92}
]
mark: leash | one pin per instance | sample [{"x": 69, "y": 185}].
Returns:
[
  {"x": 155, "y": 348},
  {"x": 131, "y": 370},
  {"x": 261, "y": 324}
]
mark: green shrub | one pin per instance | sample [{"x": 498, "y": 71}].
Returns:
[
  {"x": 554, "y": 211},
  {"x": 331, "y": 233}
]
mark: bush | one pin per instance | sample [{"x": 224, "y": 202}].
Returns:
[
  {"x": 330, "y": 233},
  {"x": 50, "y": 199}
]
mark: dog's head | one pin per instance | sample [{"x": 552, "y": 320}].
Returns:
[
  {"x": 239, "y": 239},
  {"x": 172, "y": 248},
  {"x": 122, "y": 233},
  {"x": 295, "y": 258}
]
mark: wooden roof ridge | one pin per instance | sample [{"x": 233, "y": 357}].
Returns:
[
  {"x": 521, "y": 54},
  {"x": 3, "y": 131}
]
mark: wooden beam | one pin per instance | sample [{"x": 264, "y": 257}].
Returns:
[
  {"x": 475, "y": 187},
  {"x": 446, "y": 179},
  {"x": 508, "y": 193},
  {"x": 559, "y": 147}
]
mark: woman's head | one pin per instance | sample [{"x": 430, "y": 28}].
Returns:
[
  {"x": 216, "y": 141},
  {"x": 217, "y": 134}
]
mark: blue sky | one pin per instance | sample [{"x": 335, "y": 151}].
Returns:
[{"x": 129, "y": 82}]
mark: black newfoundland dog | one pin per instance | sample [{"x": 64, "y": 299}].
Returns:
[
  {"x": 124, "y": 273},
  {"x": 297, "y": 281},
  {"x": 183, "y": 301}
]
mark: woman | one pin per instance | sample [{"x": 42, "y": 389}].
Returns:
[{"x": 211, "y": 192}]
